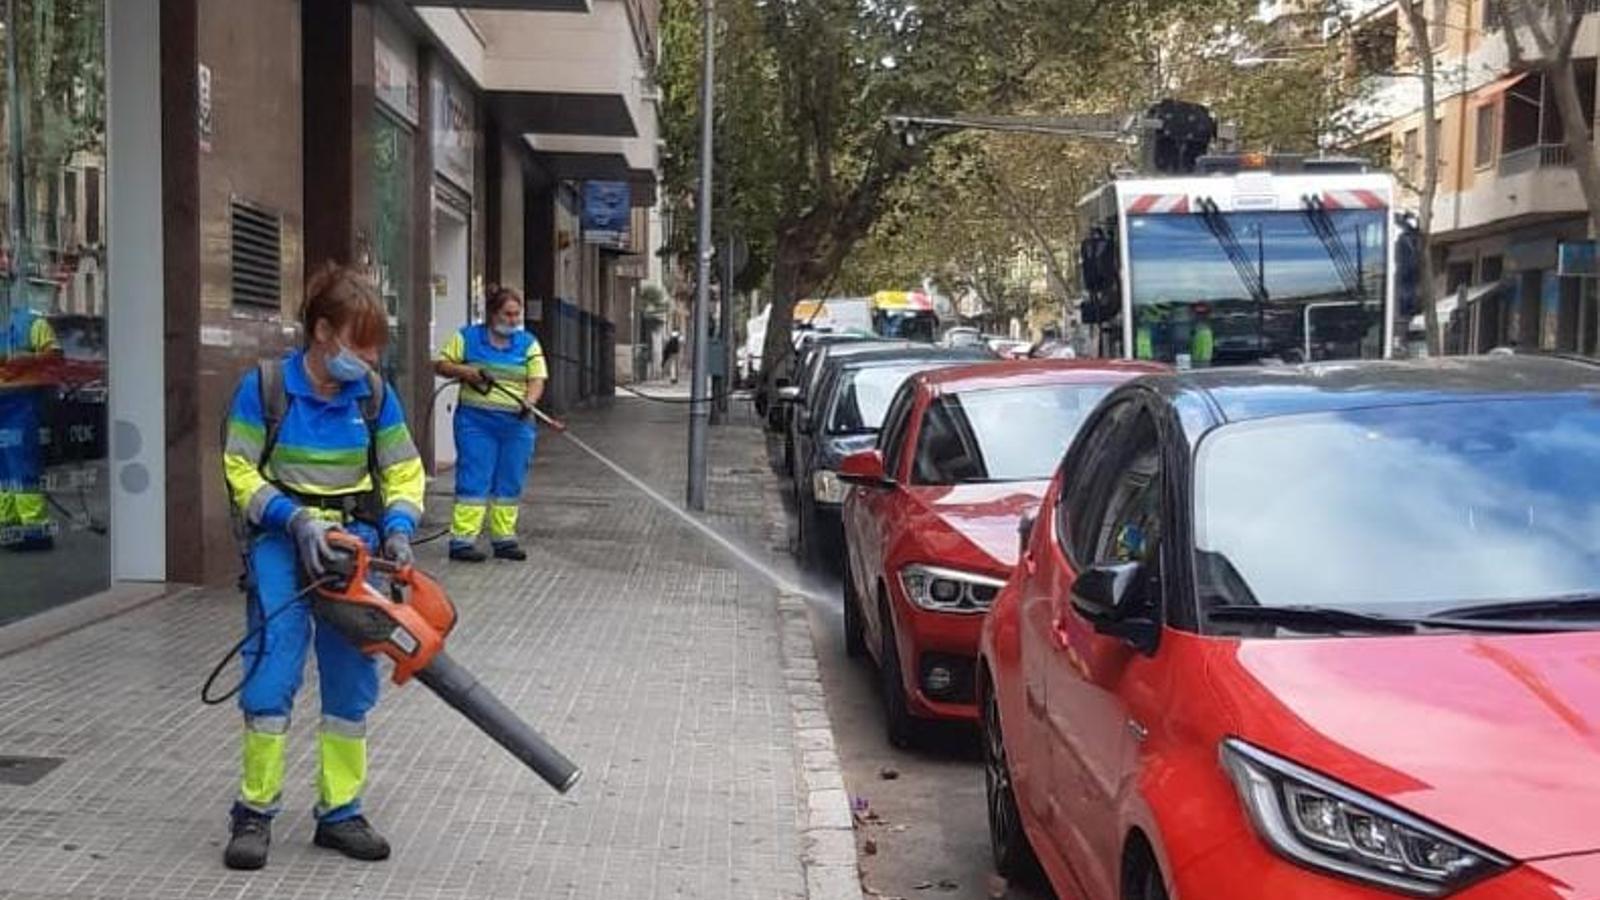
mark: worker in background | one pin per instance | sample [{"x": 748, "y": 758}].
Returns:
[
  {"x": 1202, "y": 342},
  {"x": 315, "y": 443},
  {"x": 27, "y": 346},
  {"x": 502, "y": 370}
]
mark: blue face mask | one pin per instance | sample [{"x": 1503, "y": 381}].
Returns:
[
  {"x": 346, "y": 366},
  {"x": 505, "y": 330}
]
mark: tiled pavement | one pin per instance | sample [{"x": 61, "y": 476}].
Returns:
[{"x": 626, "y": 639}]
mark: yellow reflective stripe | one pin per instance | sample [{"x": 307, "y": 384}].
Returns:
[
  {"x": 454, "y": 349},
  {"x": 262, "y": 781},
  {"x": 244, "y": 483},
  {"x": 536, "y": 366},
  {"x": 30, "y": 508},
  {"x": 467, "y": 520},
  {"x": 341, "y": 770},
  {"x": 404, "y": 482},
  {"x": 503, "y": 521},
  {"x": 494, "y": 400}
]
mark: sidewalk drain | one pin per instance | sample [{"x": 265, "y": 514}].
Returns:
[{"x": 25, "y": 770}]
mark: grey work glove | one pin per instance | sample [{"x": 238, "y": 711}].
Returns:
[
  {"x": 397, "y": 548},
  {"x": 310, "y": 536}
]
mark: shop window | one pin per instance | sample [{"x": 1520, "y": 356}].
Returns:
[
  {"x": 256, "y": 246},
  {"x": 1490, "y": 269},
  {"x": 54, "y": 502},
  {"x": 1457, "y": 276}
]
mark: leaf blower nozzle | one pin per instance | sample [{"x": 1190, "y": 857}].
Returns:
[{"x": 409, "y": 625}]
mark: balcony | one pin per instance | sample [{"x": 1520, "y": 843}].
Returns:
[{"x": 1539, "y": 156}]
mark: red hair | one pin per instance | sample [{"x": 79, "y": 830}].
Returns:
[{"x": 342, "y": 295}]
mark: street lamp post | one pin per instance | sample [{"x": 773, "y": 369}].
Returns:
[{"x": 699, "y": 409}]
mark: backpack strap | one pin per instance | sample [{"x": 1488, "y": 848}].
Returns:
[{"x": 274, "y": 404}]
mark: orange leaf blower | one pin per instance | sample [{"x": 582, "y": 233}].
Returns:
[{"x": 409, "y": 625}]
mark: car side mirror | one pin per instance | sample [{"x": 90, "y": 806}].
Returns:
[
  {"x": 789, "y": 392},
  {"x": 865, "y": 468},
  {"x": 1108, "y": 596}
]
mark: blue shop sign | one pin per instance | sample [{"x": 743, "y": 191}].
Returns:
[{"x": 607, "y": 212}]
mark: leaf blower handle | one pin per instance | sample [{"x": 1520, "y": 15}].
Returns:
[{"x": 457, "y": 687}]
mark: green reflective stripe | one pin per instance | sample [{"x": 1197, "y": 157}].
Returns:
[
  {"x": 261, "y": 783},
  {"x": 243, "y": 445},
  {"x": 263, "y": 496},
  {"x": 341, "y": 770},
  {"x": 508, "y": 372},
  {"x": 323, "y": 480},
  {"x": 356, "y": 456},
  {"x": 267, "y": 724},
  {"x": 344, "y": 727}
]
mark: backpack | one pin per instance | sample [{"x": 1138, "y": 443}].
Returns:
[{"x": 274, "y": 398}]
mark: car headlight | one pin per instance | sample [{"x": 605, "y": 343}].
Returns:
[
  {"x": 949, "y": 590},
  {"x": 1317, "y": 822},
  {"x": 826, "y": 486}
]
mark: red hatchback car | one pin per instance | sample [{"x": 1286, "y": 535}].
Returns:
[
  {"x": 931, "y": 524},
  {"x": 1325, "y": 632}
]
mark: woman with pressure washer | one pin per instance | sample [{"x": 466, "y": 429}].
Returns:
[
  {"x": 502, "y": 370},
  {"x": 316, "y": 442}
]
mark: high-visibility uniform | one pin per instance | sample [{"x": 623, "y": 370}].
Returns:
[
  {"x": 494, "y": 444},
  {"x": 1202, "y": 345},
  {"x": 24, "y": 513},
  {"x": 323, "y": 450}
]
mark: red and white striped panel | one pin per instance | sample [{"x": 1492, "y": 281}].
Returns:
[
  {"x": 1155, "y": 204},
  {"x": 1351, "y": 200}
]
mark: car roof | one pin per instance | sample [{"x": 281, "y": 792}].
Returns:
[
  {"x": 1244, "y": 394},
  {"x": 915, "y": 353},
  {"x": 1019, "y": 372}
]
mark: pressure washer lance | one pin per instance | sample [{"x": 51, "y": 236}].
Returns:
[
  {"x": 526, "y": 409},
  {"x": 409, "y": 626}
]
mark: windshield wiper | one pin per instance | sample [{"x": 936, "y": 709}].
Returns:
[
  {"x": 1585, "y": 606},
  {"x": 1331, "y": 620},
  {"x": 1318, "y": 619}
]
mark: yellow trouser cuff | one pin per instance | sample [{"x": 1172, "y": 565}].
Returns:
[
  {"x": 467, "y": 520},
  {"x": 31, "y": 508},
  {"x": 503, "y": 521},
  {"x": 342, "y": 769},
  {"x": 262, "y": 783}
]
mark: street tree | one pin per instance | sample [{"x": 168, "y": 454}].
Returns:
[
  {"x": 1420, "y": 37},
  {"x": 1540, "y": 36}
]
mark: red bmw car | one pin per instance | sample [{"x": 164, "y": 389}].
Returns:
[
  {"x": 1322, "y": 632},
  {"x": 931, "y": 522}
]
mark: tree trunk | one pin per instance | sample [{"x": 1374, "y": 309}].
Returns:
[
  {"x": 794, "y": 277},
  {"x": 1430, "y": 176},
  {"x": 1576, "y": 134}
]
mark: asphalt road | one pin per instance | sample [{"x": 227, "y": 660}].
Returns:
[{"x": 922, "y": 825}]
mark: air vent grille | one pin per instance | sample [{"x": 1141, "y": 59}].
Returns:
[{"x": 257, "y": 256}]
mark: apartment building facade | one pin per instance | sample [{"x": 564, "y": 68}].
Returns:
[{"x": 1508, "y": 199}]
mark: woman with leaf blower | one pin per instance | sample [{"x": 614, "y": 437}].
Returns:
[
  {"x": 502, "y": 371},
  {"x": 315, "y": 443}
]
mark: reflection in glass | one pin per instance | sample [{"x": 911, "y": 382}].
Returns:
[
  {"x": 1405, "y": 510},
  {"x": 1007, "y": 434},
  {"x": 53, "y": 489},
  {"x": 863, "y": 396},
  {"x": 1240, "y": 287}
]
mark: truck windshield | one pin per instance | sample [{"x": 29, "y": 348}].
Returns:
[
  {"x": 1242, "y": 287},
  {"x": 912, "y": 325}
]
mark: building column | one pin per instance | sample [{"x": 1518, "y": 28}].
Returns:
[
  {"x": 419, "y": 403},
  {"x": 180, "y": 258},
  {"x": 337, "y": 66}
]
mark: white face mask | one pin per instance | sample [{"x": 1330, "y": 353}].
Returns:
[{"x": 505, "y": 330}]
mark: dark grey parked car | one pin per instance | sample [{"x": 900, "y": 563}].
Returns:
[{"x": 843, "y": 415}]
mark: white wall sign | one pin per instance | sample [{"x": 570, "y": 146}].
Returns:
[
  {"x": 454, "y": 132},
  {"x": 394, "y": 61}
]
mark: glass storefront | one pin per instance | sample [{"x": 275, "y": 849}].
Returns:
[
  {"x": 54, "y": 494},
  {"x": 392, "y": 173}
]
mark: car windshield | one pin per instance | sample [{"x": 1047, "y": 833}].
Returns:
[
  {"x": 1004, "y": 434},
  {"x": 863, "y": 395},
  {"x": 1403, "y": 510},
  {"x": 1245, "y": 286}
]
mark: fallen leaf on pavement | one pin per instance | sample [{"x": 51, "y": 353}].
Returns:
[
  {"x": 923, "y": 885},
  {"x": 869, "y": 847},
  {"x": 888, "y": 773},
  {"x": 948, "y": 884}
]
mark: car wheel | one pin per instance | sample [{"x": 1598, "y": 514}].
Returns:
[
  {"x": 855, "y": 640},
  {"x": 898, "y": 722},
  {"x": 1013, "y": 855},
  {"x": 1141, "y": 875}
]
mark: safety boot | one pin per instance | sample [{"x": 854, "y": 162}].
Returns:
[
  {"x": 467, "y": 553},
  {"x": 251, "y": 836},
  {"x": 354, "y": 837},
  {"x": 510, "y": 550}
]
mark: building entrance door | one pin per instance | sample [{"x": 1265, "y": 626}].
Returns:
[{"x": 450, "y": 287}]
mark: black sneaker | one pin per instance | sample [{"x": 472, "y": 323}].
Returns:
[
  {"x": 510, "y": 551},
  {"x": 251, "y": 836},
  {"x": 468, "y": 553},
  {"x": 353, "y": 837}
]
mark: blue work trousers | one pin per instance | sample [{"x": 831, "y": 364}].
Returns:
[{"x": 493, "y": 451}]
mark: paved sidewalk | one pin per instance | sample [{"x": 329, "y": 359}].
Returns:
[{"x": 627, "y": 639}]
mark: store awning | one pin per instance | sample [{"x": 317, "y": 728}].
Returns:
[
  {"x": 1497, "y": 87},
  {"x": 1447, "y": 306}
]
